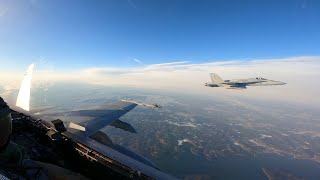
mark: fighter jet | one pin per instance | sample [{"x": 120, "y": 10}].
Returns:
[
  {"x": 240, "y": 83},
  {"x": 83, "y": 128}
]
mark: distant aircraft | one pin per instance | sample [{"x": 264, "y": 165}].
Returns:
[
  {"x": 240, "y": 83},
  {"x": 84, "y": 126}
]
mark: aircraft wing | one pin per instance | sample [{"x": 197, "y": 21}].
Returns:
[
  {"x": 263, "y": 83},
  {"x": 237, "y": 87},
  {"x": 92, "y": 120},
  {"x": 36, "y": 110}
]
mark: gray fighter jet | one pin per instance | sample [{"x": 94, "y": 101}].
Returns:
[
  {"x": 240, "y": 83},
  {"x": 84, "y": 127}
]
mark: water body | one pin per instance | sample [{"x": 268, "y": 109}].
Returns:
[{"x": 242, "y": 167}]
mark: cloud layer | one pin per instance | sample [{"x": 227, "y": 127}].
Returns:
[{"x": 300, "y": 73}]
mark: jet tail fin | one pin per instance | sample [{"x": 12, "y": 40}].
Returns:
[
  {"x": 23, "y": 99},
  {"x": 216, "y": 79}
]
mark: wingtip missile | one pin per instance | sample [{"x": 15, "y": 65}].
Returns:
[{"x": 142, "y": 104}]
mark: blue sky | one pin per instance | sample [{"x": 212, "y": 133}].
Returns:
[{"x": 78, "y": 34}]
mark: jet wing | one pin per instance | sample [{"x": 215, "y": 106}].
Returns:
[
  {"x": 237, "y": 85},
  {"x": 258, "y": 84},
  {"x": 92, "y": 120},
  {"x": 243, "y": 83},
  {"x": 36, "y": 110},
  {"x": 266, "y": 83}
]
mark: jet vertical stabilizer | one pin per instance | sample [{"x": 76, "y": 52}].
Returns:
[
  {"x": 23, "y": 100},
  {"x": 216, "y": 79}
]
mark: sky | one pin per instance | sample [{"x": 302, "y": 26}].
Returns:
[
  {"x": 167, "y": 44},
  {"x": 75, "y": 34}
]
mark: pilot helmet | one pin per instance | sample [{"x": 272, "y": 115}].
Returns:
[{"x": 5, "y": 124}]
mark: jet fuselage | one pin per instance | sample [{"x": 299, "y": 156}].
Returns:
[{"x": 240, "y": 83}]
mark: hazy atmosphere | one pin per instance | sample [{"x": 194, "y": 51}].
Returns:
[{"x": 300, "y": 74}]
